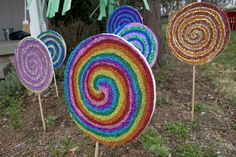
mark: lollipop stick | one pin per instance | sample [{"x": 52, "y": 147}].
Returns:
[
  {"x": 55, "y": 83},
  {"x": 96, "y": 149},
  {"x": 193, "y": 93},
  {"x": 94, "y": 11},
  {"x": 41, "y": 111}
]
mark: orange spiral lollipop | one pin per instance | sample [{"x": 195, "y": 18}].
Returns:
[{"x": 198, "y": 33}]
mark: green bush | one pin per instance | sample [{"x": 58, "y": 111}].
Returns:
[
  {"x": 11, "y": 92},
  {"x": 13, "y": 113},
  {"x": 11, "y": 89}
]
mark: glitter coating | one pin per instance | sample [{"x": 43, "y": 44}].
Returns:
[
  {"x": 33, "y": 64},
  {"x": 122, "y": 16},
  {"x": 198, "y": 33},
  {"x": 110, "y": 89},
  {"x": 56, "y": 46},
  {"x": 142, "y": 38}
]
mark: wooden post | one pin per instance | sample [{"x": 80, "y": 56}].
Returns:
[
  {"x": 193, "y": 92},
  {"x": 55, "y": 83},
  {"x": 97, "y": 149},
  {"x": 41, "y": 111}
]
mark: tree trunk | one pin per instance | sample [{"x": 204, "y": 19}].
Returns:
[
  {"x": 171, "y": 5},
  {"x": 177, "y": 4},
  {"x": 152, "y": 19}
]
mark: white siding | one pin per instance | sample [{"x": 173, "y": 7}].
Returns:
[{"x": 11, "y": 15}]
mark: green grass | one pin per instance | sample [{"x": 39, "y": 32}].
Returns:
[
  {"x": 32, "y": 140},
  {"x": 188, "y": 150},
  {"x": 159, "y": 80},
  {"x": 161, "y": 100},
  {"x": 154, "y": 142},
  {"x": 196, "y": 125},
  {"x": 177, "y": 128},
  {"x": 210, "y": 153},
  {"x": 234, "y": 101},
  {"x": 193, "y": 150},
  {"x": 222, "y": 70},
  {"x": 233, "y": 126},
  {"x": 228, "y": 57},
  {"x": 50, "y": 120},
  {"x": 60, "y": 147},
  {"x": 199, "y": 107}
]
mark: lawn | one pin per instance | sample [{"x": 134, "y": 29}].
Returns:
[{"x": 223, "y": 70}]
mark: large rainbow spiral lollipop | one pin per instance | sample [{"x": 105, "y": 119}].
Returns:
[
  {"x": 56, "y": 46},
  {"x": 110, "y": 89},
  {"x": 33, "y": 64},
  {"x": 122, "y": 16},
  {"x": 142, "y": 38},
  {"x": 197, "y": 33}
]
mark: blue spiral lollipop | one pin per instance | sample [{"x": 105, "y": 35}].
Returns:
[
  {"x": 122, "y": 16},
  {"x": 56, "y": 46}
]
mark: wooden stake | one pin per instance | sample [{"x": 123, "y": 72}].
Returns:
[
  {"x": 41, "y": 111},
  {"x": 193, "y": 92},
  {"x": 55, "y": 83},
  {"x": 96, "y": 149}
]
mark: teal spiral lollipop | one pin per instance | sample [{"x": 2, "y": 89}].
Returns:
[{"x": 142, "y": 38}]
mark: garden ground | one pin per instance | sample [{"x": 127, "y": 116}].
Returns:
[{"x": 212, "y": 134}]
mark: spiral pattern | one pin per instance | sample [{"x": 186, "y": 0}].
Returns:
[
  {"x": 110, "y": 89},
  {"x": 56, "y": 46},
  {"x": 198, "y": 32},
  {"x": 33, "y": 64},
  {"x": 122, "y": 16},
  {"x": 142, "y": 38}
]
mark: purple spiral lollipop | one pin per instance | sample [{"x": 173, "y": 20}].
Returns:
[
  {"x": 122, "y": 16},
  {"x": 33, "y": 64}
]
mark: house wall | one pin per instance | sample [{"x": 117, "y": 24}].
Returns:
[{"x": 11, "y": 15}]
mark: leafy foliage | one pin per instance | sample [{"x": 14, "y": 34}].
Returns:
[
  {"x": 11, "y": 91},
  {"x": 13, "y": 112}
]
